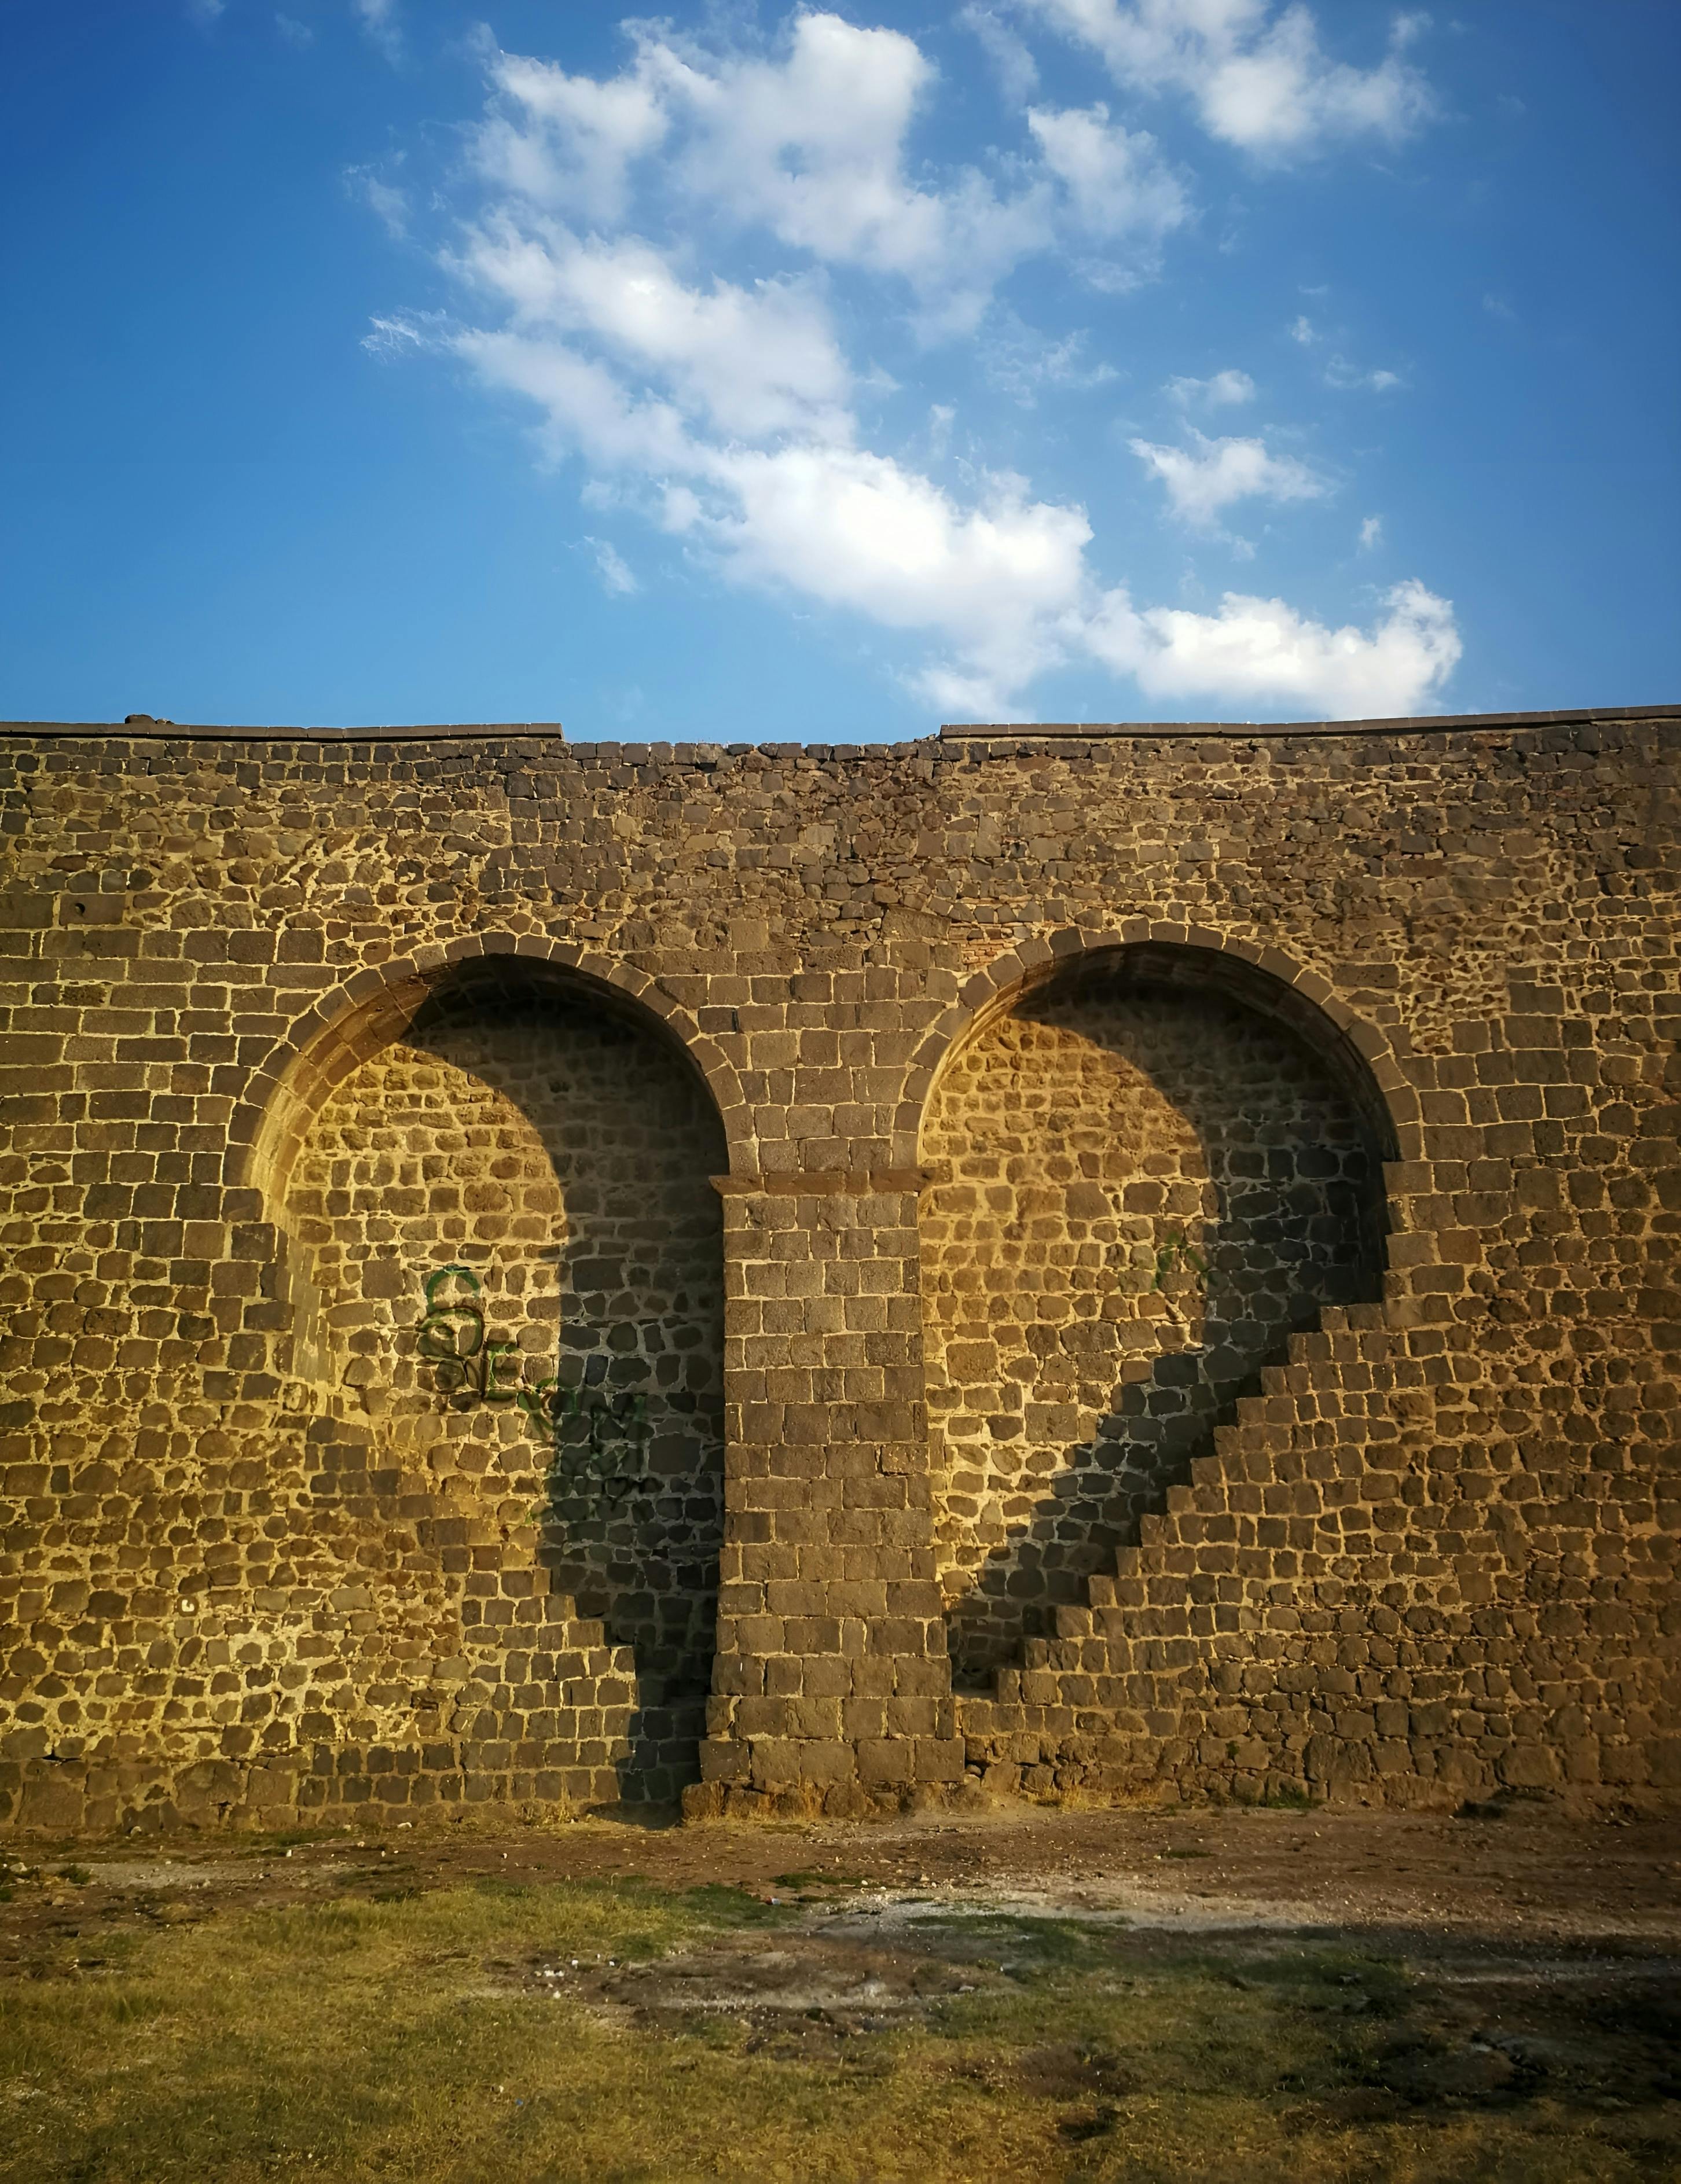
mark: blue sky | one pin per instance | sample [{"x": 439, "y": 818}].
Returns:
[{"x": 756, "y": 373}]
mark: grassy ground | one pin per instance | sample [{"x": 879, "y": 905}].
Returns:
[{"x": 613, "y": 2031}]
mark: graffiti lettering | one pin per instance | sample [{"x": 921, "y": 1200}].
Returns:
[
  {"x": 598, "y": 1438},
  {"x": 1176, "y": 1251}
]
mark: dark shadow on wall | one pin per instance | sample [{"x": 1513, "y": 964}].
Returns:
[
  {"x": 1297, "y": 1225},
  {"x": 588, "y": 1217},
  {"x": 632, "y": 1491}
]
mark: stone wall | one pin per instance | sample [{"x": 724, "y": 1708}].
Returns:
[{"x": 1178, "y": 1225}]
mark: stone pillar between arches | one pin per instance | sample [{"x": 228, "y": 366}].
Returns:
[{"x": 831, "y": 1689}]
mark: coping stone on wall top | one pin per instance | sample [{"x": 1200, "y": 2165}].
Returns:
[
  {"x": 1423, "y": 723},
  {"x": 991, "y": 739}
]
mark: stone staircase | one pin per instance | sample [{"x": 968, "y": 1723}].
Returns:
[{"x": 1171, "y": 1671}]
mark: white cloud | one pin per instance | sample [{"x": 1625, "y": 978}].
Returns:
[
  {"x": 206, "y": 11},
  {"x": 726, "y": 412},
  {"x": 567, "y": 139},
  {"x": 619, "y": 578},
  {"x": 403, "y": 335},
  {"x": 1118, "y": 189},
  {"x": 999, "y": 584},
  {"x": 1225, "y": 390},
  {"x": 1023, "y": 364},
  {"x": 1370, "y": 533},
  {"x": 294, "y": 32},
  {"x": 1340, "y": 373},
  {"x": 384, "y": 199},
  {"x": 750, "y": 362},
  {"x": 1301, "y": 330},
  {"x": 1203, "y": 479},
  {"x": 859, "y": 531},
  {"x": 1262, "y": 651},
  {"x": 1014, "y": 65},
  {"x": 833, "y": 523},
  {"x": 810, "y": 145},
  {"x": 1257, "y": 75},
  {"x": 378, "y": 19}
]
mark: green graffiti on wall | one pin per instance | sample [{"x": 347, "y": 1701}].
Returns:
[
  {"x": 598, "y": 1437},
  {"x": 1177, "y": 1251}
]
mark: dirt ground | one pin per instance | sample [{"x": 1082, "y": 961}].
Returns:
[
  {"x": 1506, "y": 1878},
  {"x": 1509, "y": 1971},
  {"x": 1510, "y": 1875},
  {"x": 1513, "y": 1907}
]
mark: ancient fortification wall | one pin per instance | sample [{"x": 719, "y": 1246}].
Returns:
[{"x": 1124, "y": 1260}]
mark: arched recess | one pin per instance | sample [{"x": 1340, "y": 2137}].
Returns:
[
  {"x": 376, "y": 1006},
  {"x": 542, "y": 1128},
  {"x": 1149, "y": 1161}
]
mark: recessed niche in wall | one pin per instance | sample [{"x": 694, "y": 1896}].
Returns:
[
  {"x": 1147, "y": 1185},
  {"x": 514, "y": 1255}
]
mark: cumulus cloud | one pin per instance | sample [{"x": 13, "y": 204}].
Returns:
[
  {"x": 1224, "y": 390},
  {"x": 1261, "y": 650},
  {"x": 1117, "y": 187},
  {"x": 728, "y": 414},
  {"x": 828, "y": 522},
  {"x": 748, "y": 361},
  {"x": 569, "y": 141},
  {"x": 1256, "y": 74},
  {"x": 1370, "y": 533},
  {"x": 1209, "y": 474},
  {"x": 1012, "y": 63},
  {"x": 998, "y": 582},
  {"x": 809, "y": 144}
]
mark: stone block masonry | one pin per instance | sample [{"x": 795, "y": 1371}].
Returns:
[{"x": 1134, "y": 1260}]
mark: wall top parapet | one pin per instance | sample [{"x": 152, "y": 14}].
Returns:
[
  {"x": 1401, "y": 724},
  {"x": 142, "y": 728}
]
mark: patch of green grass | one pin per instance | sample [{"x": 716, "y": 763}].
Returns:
[
  {"x": 414, "y": 2039},
  {"x": 723, "y": 1906},
  {"x": 1287, "y": 1797},
  {"x": 1026, "y": 1947}
]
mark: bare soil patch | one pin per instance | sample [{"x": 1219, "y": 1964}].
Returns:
[{"x": 1022, "y": 1993}]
